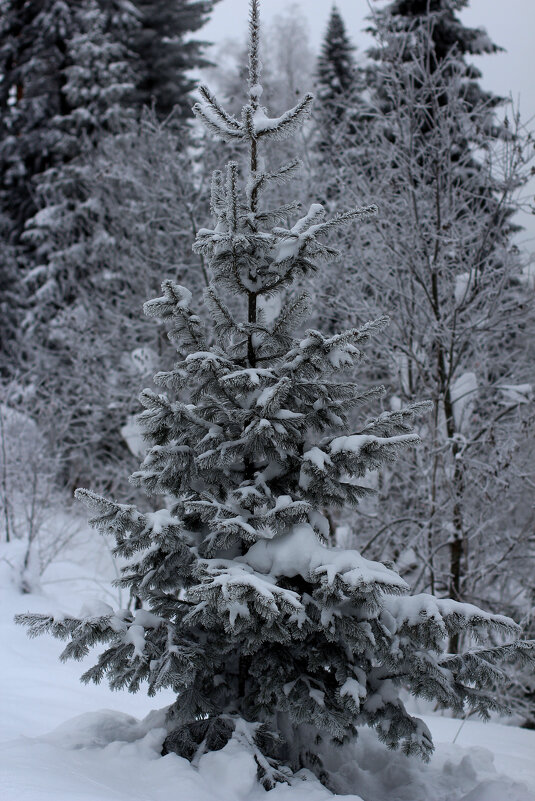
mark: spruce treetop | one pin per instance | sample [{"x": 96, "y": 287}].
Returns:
[
  {"x": 448, "y": 31},
  {"x": 449, "y": 41},
  {"x": 338, "y": 83},
  {"x": 336, "y": 66}
]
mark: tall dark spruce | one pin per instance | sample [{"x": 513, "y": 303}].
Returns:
[
  {"x": 33, "y": 44},
  {"x": 65, "y": 80},
  {"x": 267, "y": 635},
  {"x": 39, "y": 54},
  {"x": 339, "y": 83},
  {"x": 166, "y": 51}
]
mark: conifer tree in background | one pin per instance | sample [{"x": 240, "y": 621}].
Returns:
[
  {"x": 67, "y": 77},
  {"x": 32, "y": 56},
  {"x": 336, "y": 64},
  {"x": 266, "y": 634},
  {"x": 99, "y": 78},
  {"x": 94, "y": 82},
  {"x": 339, "y": 102},
  {"x": 403, "y": 30},
  {"x": 33, "y": 44},
  {"x": 38, "y": 68},
  {"x": 58, "y": 264},
  {"x": 166, "y": 52},
  {"x": 9, "y": 300},
  {"x": 448, "y": 37},
  {"x": 337, "y": 85},
  {"x": 98, "y": 83}
]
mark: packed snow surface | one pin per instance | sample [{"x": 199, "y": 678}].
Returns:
[{"x": 63, "y": 741}]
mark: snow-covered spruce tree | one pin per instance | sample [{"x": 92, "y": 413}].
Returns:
[{"x": 266, "y": 634}]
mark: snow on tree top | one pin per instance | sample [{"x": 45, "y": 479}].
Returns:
[
  {"x": 418, "y": 609},
  {"x": 317, "y": 457},
  {"x": 180, "y": 296},
  {"x": 256, "y": 91},
  {"x": 355, "y": 442},
  {"x": 264, "y": 124},
  {"x": 252, "y": 375},
  {"x": 160, "y": 520},
  {"x": 299, "y": 552}
]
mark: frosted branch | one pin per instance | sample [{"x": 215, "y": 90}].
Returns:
[
  {"x": 217, "y": 109},
  {"x": 213, "y": 122},
  {"x": 285, "y": 125},
  {"x": 232, "y": 196}
]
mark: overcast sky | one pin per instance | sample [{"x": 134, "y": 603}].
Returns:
[{"x": 510, "y": 23}]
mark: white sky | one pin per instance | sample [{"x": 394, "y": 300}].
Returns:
[{"x": 510, "y": 23}]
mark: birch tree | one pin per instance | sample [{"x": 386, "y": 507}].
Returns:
[{"x": 448, "y": 175}]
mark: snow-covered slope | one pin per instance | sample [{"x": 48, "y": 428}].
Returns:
[{"x": 61, "y": 741}]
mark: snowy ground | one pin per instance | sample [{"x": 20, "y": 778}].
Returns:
[{"x": 62, "y": 741}]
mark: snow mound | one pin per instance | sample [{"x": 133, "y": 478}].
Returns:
[
  {"x": 116, "y": 755},
  {"x": 99, "y": 729},
  {"x": 498, "y": 790},
  {"x": 454, "y": 773},
  {"x": 111, "y": 756}
]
